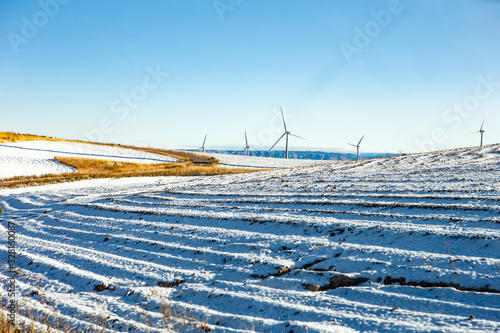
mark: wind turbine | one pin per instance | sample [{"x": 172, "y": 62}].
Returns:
[
  {"x": 357, "y": 147},
  {"x": 482, "y": 132},
  {"x": 203, "y": 145},
  {"x": 287, "y": 133},
  {"x": 247, "y": 148}
]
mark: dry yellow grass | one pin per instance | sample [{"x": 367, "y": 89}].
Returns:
[
  {"x": 5, "y": 326},
  {"x": 94, "y": 168},
  {"x": 27, "y": 321},
  {"x": 15, "y": 137},
  {"x": 87, "y": 166},
  {"x": 106, "y": 169}
]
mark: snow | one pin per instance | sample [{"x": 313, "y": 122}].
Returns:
[
  {"x": 261, "y": 162},
  {"x": 430, "y": 218},
  {"x": 35, "y": 158}
]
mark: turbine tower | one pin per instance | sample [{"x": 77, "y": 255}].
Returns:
[
  {"x": 482, "y": 132},
  {"x": 203, "y": 145},
  {"x": 247, "y": 148},
  {"x": 287, "y": 133},
  {"x": 357, "y": 147}
]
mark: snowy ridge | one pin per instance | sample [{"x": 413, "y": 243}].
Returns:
[
  {"x": 230, "y": 160},
  {"x": 36, "y": 158},
  {"x": 250, "y": 248},
  {"x": 317, "y": 155}
]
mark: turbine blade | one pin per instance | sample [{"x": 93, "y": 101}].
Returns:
[
  {"x": 246, "y": 140},
  {"x": 352, "y": 144},
  {"x": 204, "y": 140},
  {"x": 361, "y": 139},
  {"x": 281, "y": 137},
  {"x": 298, "y": 136},
  {"x": 283, "y": 116},
  {"x": 482, "y": 124}
]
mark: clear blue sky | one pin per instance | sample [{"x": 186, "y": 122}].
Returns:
[{"x": 410, "y": 75}]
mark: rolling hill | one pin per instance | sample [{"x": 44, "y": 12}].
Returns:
[{"x": 402, "y": 243}]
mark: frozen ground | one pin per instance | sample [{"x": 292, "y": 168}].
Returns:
[
  {"x": 35, "y": 158},
  {"x": 261, "y": 162},
  {"x": 401, "y": 244}
]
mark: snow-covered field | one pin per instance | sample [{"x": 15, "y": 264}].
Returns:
[
  {"x": 35, "y": 158},
  {"x": 261, "y": 162},
  {"x": 405, "y": 244}
]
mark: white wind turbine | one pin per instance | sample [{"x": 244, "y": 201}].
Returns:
[
  {"x": 482, "y": 132},
  {"x": 247, "y": 147},
  {"x": 203, "y": 145},
  {"x": 287, "y": 133},
  {"x": 357, "y": 147}
]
